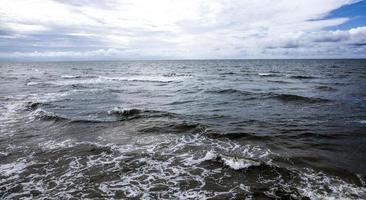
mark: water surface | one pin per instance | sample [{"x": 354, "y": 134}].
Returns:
[{"x": 222, "y": 129}]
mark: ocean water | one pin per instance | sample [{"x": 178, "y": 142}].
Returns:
[{"x": 209, "y": 129}]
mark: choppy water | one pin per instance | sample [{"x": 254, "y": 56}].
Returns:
[{"x": 260, "y": 129}]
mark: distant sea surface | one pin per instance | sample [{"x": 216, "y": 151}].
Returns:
[{"x": 221, "y": 129}]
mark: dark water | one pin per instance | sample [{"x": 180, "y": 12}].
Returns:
[{"x": 260, "y": 129}]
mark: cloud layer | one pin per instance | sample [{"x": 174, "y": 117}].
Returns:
[{"x": 174, "y": 29}]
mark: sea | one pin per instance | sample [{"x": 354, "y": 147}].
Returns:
[{"x": 183, "y": 129}]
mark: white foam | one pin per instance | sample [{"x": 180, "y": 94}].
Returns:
[
  {"x": 146, "y": 78},
  {"x": 117, "y": 110},
  {"x": 158, "y": 166},
  {"x": 238, "y": 163},
  {"x": 265, "y": 74},
  {"x": 314, "y": 183},
  {"x": 69, "y": 76},
  {"x": 53, "y": 144},
  {"x": 191, "y": 160},
  {"x": 105, "y": 79},
  {"x": 13, "y": 168},
  {"x": 4, "y": 153}
]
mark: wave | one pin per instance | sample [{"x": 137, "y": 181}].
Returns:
[
  {"x": 31, "y": 83},
  {"x": 227, "y": 73},
  {"x": 231, "y": 91},
  {"x": 69, "y": 76},
  {"x": 157, "y": 79},
  {"x": 181, "y": 102},
  {"x": 173, "y": 74},
  {"x": 297, "y": 98},
  {"x": 124, "y": 112},
  {"x": 41, "y": 114},
  {"x": 237, "y": 163},
  {"x": 235, "y": 136},
  {"x": 277, "y": 81},
  {"x": 115, "y": 115},
  {"x": 280, "y": 97},
  {"x": 33, "y": 105},
  {"x": 326, "y": 88},
  {"x": 301, "y": 77},
  {"x": 8, "y": 78},
  {"x": 312, "y": 135},
  {"x": 76, "y": 80},
  {"x": 174, "y": 127},
  {"x": 267, "y": 74}
]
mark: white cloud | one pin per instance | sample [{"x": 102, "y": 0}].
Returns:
[
  {"x": 172, "y": 28},
  {"x": 24, "y": 28}
]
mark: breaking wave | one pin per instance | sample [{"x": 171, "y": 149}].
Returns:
[
  {"x": 237, "y": 163},
  {"x": 75, "y": 80},
  {"x": 114, "y": 115},
  {"x": 268, "y": 74},
  {"x": 41, "y": 114}
]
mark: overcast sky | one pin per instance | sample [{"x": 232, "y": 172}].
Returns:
[{"x": 181, "y": 29}]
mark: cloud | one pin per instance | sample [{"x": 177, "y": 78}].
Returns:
[
  {"x": 352, "y": 36},
  {"x": 174, "y": 29}
]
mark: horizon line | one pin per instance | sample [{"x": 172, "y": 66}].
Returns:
[{"x": 191, "y": 59}]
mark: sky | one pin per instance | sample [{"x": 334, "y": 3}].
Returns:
[{"x": 181, "y": 29}]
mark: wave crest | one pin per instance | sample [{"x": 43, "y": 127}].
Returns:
[
  {"x": 297, "y": 98},
  {"x": 237, "y": 163},
  {"x": 124, "y": 112},
  {"x": 301, "y": 77},
  {"x": 278, "y": 96},
  {"x": 47, "y": 116}
]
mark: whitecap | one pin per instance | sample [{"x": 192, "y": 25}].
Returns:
[
  {"x": 191, "y": 160},
  {"x": 69, "y": 80},
  {"x": 32, "y": 83},
  {"x": 238, "y": 163},
  {"x": 69, "y": 76},
  {"x": 163, "y": 79},
  {"x": 266, "y": 74}
]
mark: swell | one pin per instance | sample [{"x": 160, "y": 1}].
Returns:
[
  {"x": 173, "y": 127},
  {"x": 30, "y": 105},
  {"x": 301, "y": 77},
  {"x": 326, "y": 88},
  {"x": 114, "y": 115},
  {"x": 120, "y": 112},
  {"x": 236, "y": 136},
  {"x": 44, "y": 115},
  {"x": 233, "y": 92},
  {"x": 278, "y": 96},
  {"x": 77, "y": 76},
  {"x": 298, "y": 98}
]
